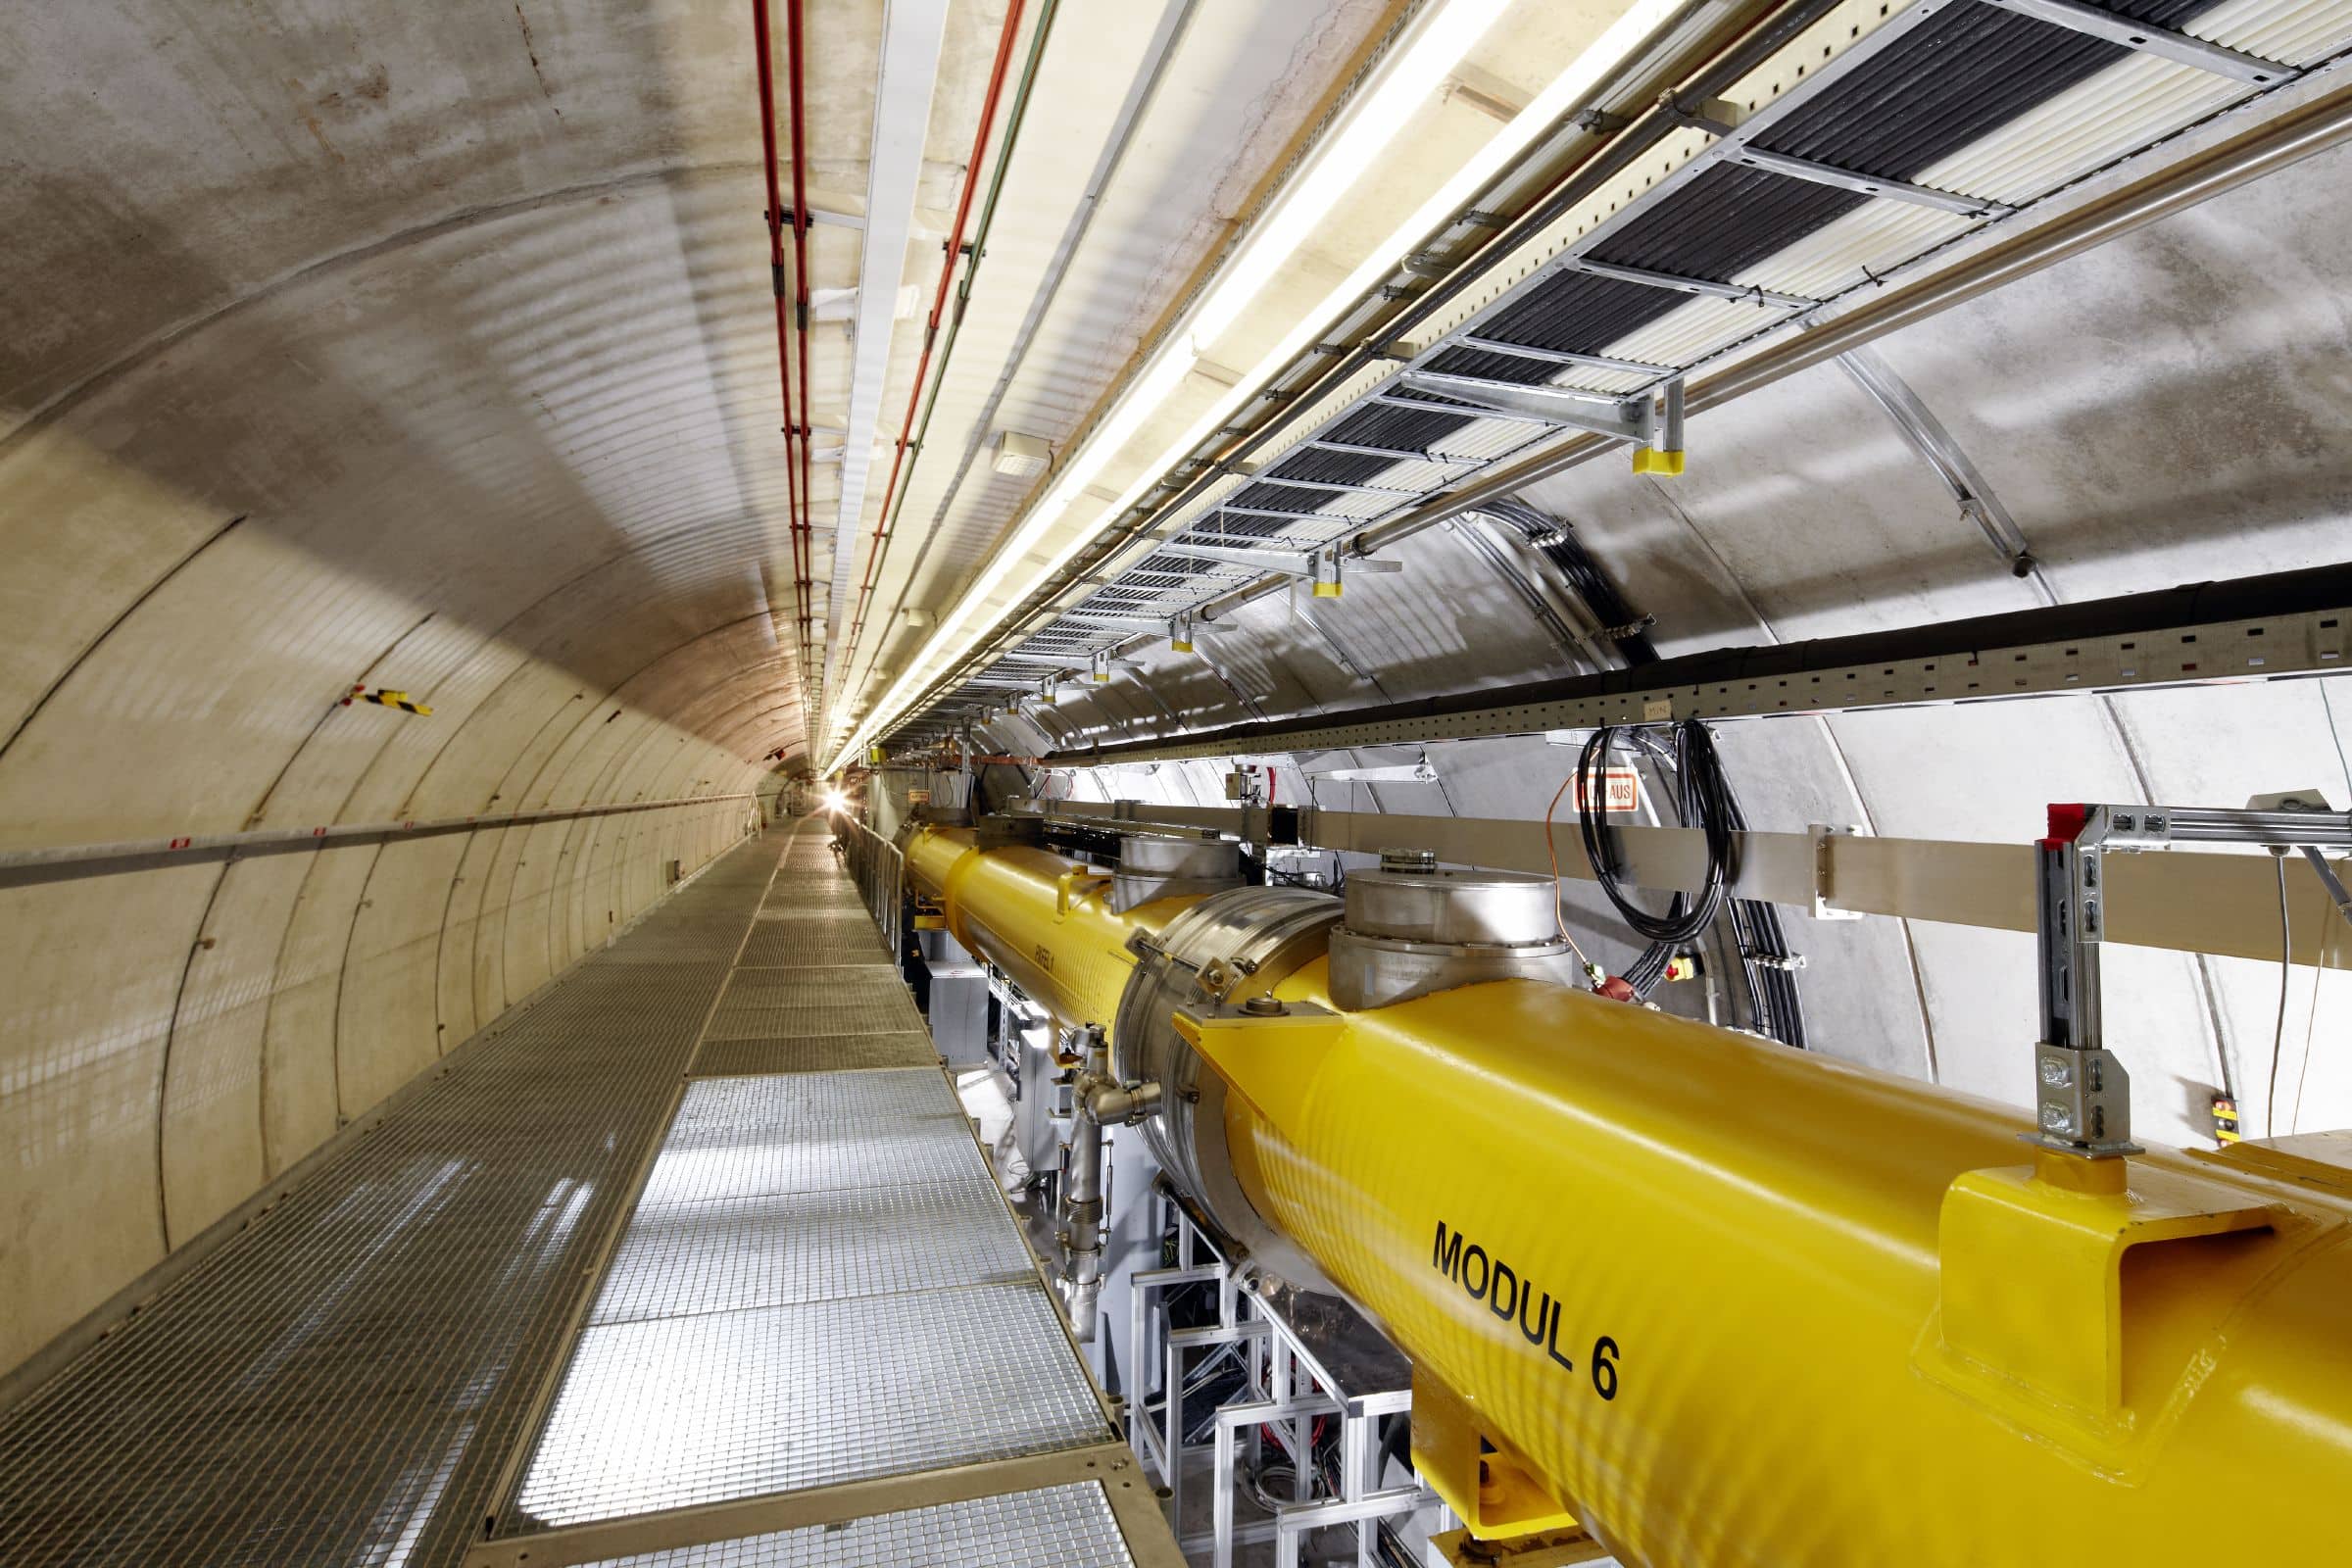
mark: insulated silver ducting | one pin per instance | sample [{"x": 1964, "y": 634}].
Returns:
[
  {"x": 1411, "y": 929},
  {"x": 1151, "y": 868}
]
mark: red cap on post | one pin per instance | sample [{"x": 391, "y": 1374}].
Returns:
[{"x": 2066, "y": 825}]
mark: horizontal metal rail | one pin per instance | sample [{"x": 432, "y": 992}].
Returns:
[
  {"x": 60, "y": 862},
  {"x": 2248, "y": 628},
  {"x": 2185, "y": 899}
]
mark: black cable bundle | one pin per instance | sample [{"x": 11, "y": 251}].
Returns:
[
  {"x": 1773, "y": 1008},
  {"x": 1699, "y": 797},
  {"x": 1559, "y": 545}
]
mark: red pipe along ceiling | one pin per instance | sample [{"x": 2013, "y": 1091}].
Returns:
[
  {"x": 792, "y": 313},
  {"x": 939, "y": 304}
]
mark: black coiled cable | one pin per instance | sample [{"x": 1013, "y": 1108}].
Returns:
[
  {"x": 1701, "y": 796},
  {"x": 1754, "y": 927}
]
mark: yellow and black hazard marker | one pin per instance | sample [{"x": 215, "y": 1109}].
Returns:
[{"x": 387, "y": 697}]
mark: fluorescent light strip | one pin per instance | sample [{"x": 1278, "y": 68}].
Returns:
[
  {"x": 913, "y": 32},
  {"x": 1325, "y": 181},
  {"x": 1418, "y": 71}
]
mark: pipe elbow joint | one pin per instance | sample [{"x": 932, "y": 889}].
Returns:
[{"x": 1113, "y": 1105}]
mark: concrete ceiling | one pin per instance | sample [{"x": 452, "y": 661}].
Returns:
[{"x": 433, "y": 348}]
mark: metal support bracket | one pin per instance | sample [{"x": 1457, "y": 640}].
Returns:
[
  {"x": 1320, "y": 566},
  {"x": 1823, "y": 877},
  {"x": 1893, "y": 190},
  {"x": 1678, "y": 284},
  {"x": 1356, "y": 449},
  {"x": 2148, "y": 38},
  {"x": 1586, "y": 362},
  {"x": 2082, "y": 1094},
  {"x": 1658, "y": 445}
]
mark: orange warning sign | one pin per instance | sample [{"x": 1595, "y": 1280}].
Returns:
[{"x": 1620, "y": 788}]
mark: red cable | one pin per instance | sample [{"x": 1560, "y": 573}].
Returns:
[{"x": 939, "y": 304}]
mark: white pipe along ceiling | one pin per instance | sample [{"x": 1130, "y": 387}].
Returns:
[{"x": 468, "y": 470}]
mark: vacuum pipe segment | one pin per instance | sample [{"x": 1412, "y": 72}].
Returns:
[{"x": 1714, "y": 1301}]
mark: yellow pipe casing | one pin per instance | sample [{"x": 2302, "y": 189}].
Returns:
[
  {"x": 1039, "y": 916},
  {"x": 1728, "y": 1303}
]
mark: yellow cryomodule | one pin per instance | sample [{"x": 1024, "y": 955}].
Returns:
[{"x": 1731, "y": 1304}]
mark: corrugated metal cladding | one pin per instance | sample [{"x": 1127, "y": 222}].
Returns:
[
  {"x": 1924, "y": 97},
  {"x": 1903, "y": 111}
]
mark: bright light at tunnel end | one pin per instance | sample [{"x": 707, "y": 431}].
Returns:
[{"x": 834, "y": 803}]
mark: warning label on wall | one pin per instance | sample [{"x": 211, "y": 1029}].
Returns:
[{"x": 1620, "y": 788}]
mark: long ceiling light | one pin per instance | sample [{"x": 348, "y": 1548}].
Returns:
[
  {"x": 1446, "y": 35},
  {"x": 914, "y": 33}
]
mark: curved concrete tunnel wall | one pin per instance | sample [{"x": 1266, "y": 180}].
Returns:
[
  {"x": 461, "y": 412},
  {"x": 436, "y": 350}
]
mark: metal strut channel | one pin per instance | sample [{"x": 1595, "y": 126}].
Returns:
[
  {"x": 1586, "y": 362},
  {"x": 2148, "y": 38},
  {"x": 1896, "y": 191},
  {"x": 1738, "y": 293},
  {"x": 1627, "y": 419},
  {"x": 1396, "y": 454},
  {"x": 1334, "y": 486},
  {"x": 2254, "y": 628}
]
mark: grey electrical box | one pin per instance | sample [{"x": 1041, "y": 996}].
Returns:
[{"x": 959, "y": 1012}]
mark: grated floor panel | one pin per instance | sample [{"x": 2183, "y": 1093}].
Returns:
[
  {"x": 344, "y": 1381},
  {"x": 820, "y": 1284},
  {"x": 805, "y": 944},
  {"x": 755, "y": 1110},
  {"x": 671, "y": 1413},
  {"x": 682, "y": 1258},
  {"x": 815, "y": 1054},
  {"x": 835, "y": 1155},
  {"x": 1053, "y": 1527}
]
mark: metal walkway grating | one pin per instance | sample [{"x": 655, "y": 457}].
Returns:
[
  {"x": 833, "y": 1156},
  {"x": 343, "y": 1382},
  {"x": 815, "y": 1054},
  {"x": 673, "y": 1412},
  {"x": 682, "y": 1258},
  {"x": 1053, "y": 1527},
  {"x": 820, "y": 1286}
]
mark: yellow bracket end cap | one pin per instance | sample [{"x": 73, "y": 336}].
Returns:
[
  {"x": 1327, "y": 590},
  {"x": 1649, "y": 459}
]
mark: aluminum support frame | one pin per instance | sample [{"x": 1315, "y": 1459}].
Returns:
[
  {"x": 2189, "y": 903},
  {"x": 2082, "y": 1094},
  {"x": 1291, "y": 1383}
]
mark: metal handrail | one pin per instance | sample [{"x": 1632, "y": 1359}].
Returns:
[{"x": 879, "y": 870}]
